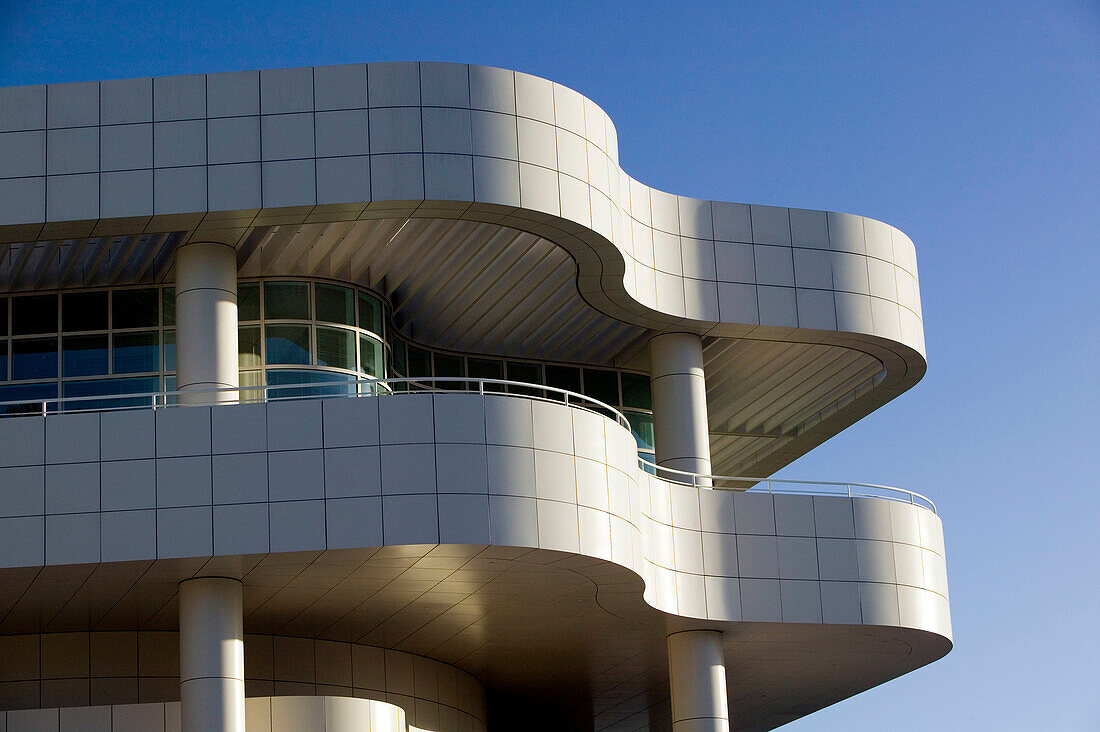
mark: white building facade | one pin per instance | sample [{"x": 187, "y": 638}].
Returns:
[{"x": 380, "y": 397}]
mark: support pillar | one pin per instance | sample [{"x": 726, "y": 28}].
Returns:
[
  {"x": 206, "y": 321},
  {"x": 678, "y": 387},
  {"x": 211, "y": 655},
  {"x": 697, "y": 676}
]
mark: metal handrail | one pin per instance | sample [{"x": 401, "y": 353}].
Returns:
[
  {"x": 357, "y": 388},
  {"x": 780, "y": 485},
  {"x": 377, "y": 387}
]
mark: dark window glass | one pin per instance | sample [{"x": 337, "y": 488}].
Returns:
[
  {"x": 170, "y": 350},
  {"x": 34, "y": 314},
  {"x": 135, "y": 353},
  {"x": 336, "y": 348},
  {"x": 248, "y": 347},
  {"x": 448, "y": 366},
  {"x": 563, "y": 377},
  {"x": 84, "y": 355},
  {"x": 335, "y": 304},
  {"x": 528, "y": 372},
  {"x": 29, "y": 397},
  {"x": 602, "y": 385},
  {"x": 34, "y": 359},
  {"x": 370, "y": 313},
  {"x": 248, "y": 301},
  {"x": 109, "y": 387},
  {"x": 3, "y": 360},
  {"x": 483, "y": 368},
  {"x": 135, "y": 308},
  {"x": 168, "y": 305},
  {"x": 286, "y": 301},
  {"x": 636, "y": 391},
  {"x": 287, "y": 344},
  {"x": 370, "y": 357},
  {"x": 641, "y": 426},
  {"x": 3, "y": 316},
  {"x": 83, "y": 311},
  {"x": 400, "y": 367},
  {"x": 420, "y": 362},
  {"x": 328, "y": 383}
]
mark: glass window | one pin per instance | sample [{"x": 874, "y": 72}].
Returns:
[
  {"x": 563, "y": 377},
  {"x": 248, "y": 347},
  {"x": 250, "y": 379},
  {"x": 641, "y": 426},
  {"x": 286, "y": 301},
  {"x": 169, "y": 350},
  {"x": 335, "y": 304},
  {"x": 168, "y": 305},
  {"x": 336, "y": 348},
  {"x": 84, "y": 355},
  {"x": 135, "y": 308},
  {"x": 33, "y": 314},
  {"x": 110, "y": 387},
  {"x": 419, "y": 362},
  {"x": 329, "y": 383},
  {"x": 287, "y": 344},
  {"x": 527, "y": 372},
  {"x": 370, "y": 357},
  {"x": 636, "y": 391},
  {"x": 602, "y": 385},
  {"x": 3, "y": 360},
  {"x": 135, "y": 353},
  {"x": 83, "y": 311},
  {"x": 370, "y": 313},
  {"x": 400, "y": 366},
  {"x": 35, "y": 358},
  {"x": 3, "y": 316},
  {"x": 248, "y": 301},
  {"x": 483, "y": 368},
  {"x": 448, "y": 366},
  {"x": 29, "y": 396}
]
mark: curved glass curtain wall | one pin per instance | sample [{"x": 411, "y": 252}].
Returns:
[{"x": 316, "y": 336}]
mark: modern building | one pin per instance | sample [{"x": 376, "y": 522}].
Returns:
[{"x": 380, "y": 397}]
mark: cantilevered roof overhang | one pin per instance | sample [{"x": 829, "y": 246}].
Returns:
[{"x": 490, "y": 207}]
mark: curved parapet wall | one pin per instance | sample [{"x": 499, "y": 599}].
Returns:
[{"x": 494, "y": 470}]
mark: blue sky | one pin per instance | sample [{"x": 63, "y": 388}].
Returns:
[{"x": 971, "y": 126}]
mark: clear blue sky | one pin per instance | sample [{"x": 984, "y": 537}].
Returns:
[{"x": 972, "y": 126}]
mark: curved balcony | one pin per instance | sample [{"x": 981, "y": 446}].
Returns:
[{"x": 504, "y": 502}]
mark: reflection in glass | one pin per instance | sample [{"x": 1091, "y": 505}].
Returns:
[
  {"x": 335, "y": 304},
  {"x": 34, "y": 359},
  {"x": 248, "y": 347},
  {"x": 286, "y": 301},
  {"x": 400, "y": 367},
  {"x": 336, "y": 348},
  {"x": 169, "y": 350},
  {"x": 3, "y": 316},
  {"x": 84, "y": 355},
  {"x": 370, "y": 313},
  {"x": 33, "y": 314},
  {"x": 287, "y": 344},
  {"x": 248, "y": 301},
  {"x": 334, "y": 384},
  {"x": 83, "y": 311},
  {"x": 29, "y": 398},
  {"x": 3, "y": 360},
  {"x": 641, "y": 426},
  {"x": 370, "y": 357},
  {"x": 109, "y": 387},
  {"x": 249, "y": 379},
  {"x": 135, "y": 308},
  {"x": 135, "y": 353}
]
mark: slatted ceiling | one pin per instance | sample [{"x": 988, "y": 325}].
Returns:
[{"x": 780, "y": 387}]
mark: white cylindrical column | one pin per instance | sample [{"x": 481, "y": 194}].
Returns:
[
  {"x": 697, "y": 677},
  {"x": 206, "y": 321},
  {"x": 676, "y": 381},
  {"x": 211, "y": 655}
]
